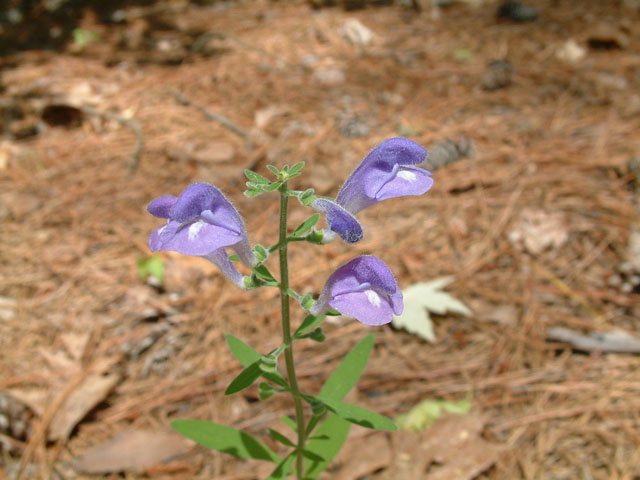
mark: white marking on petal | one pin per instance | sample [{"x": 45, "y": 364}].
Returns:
[
  {"x": 407, "y": 175},
  {"x": 194, "y": 229},
  {"x": 162, "y": 229},
  {"x": 373, "y": 297}
]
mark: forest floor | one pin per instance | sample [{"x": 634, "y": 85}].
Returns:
[{"x": 535, "y": 215}]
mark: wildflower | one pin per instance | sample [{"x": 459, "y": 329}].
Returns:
[
  {"x": 202, "y": 222},
  {"x": 388, "y": 171},
  {"x": 364, "y": 288}
]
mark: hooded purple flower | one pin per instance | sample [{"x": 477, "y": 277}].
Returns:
[
  {"x": 364, "y": 288},
  {"x": 202, "y": 222},
  {"x": 387, "y": 172}
]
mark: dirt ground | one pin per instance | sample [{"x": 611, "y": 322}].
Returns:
[{"x": 535, "y": 214}]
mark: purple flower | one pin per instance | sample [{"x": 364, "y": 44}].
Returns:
[
  {"x": 202, "y": 222},
  {"x": 387, "y": 172},
  {"x": 364, "y": 288}
]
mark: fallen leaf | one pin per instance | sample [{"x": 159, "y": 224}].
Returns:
[
  {"x": 422, "y": 298},
  {"x": 93, "y": 390},
  {"x": 355, "y": 32},
  {"x": 571, "y": 52},
  {"x": 536, "y": 230},
  {"x": 451, "y": 449},
  {"x": 424, "y": 414},
  {"x": 132, "y": 451}
]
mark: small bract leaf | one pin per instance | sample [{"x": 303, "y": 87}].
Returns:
[
  {"x": 243, "y": 352},
  {"x": 307, "y": 225},
  {"x": 422, "y": 298},
  {"x": 273, "y": 170},
  {"x": 278, "y": 437},
  {"x": 273, "y": 186},
  {"x": 282, "y": 470},
  {"x": 256, "y": 177},
  {"x": 309, "y": 323},
  {"x": 296, "y": 168},
  {"x": 245, "y": 379}
]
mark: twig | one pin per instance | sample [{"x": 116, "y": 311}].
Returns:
[
  {"x": 127, "y": 122},
  {"x": 215, "y": 117}
]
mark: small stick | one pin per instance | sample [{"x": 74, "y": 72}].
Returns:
[
  {"x": 127, "y": 122},
  {"x": 215, "y": 117}
]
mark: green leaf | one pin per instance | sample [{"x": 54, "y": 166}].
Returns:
[
  {"x": 311, "y": 456},
  {"x": 278, "y": 437},
  {"x": 346, "y": 375},
  {"x": 421, "y": 298},
  {"x": 296, "y": 168},
  {"x": 263, "y": 273},
  {"x": 282, "y": 470},
  {"x": 256, "y": 177},
  {"x": 245, "y": 379},
  {"x": 233, "y": 258},
  {"x": 253, "y": 193},
  {"x": 247, "y": 356},
  {"x": 361, "y": 416},
  {"x": 243, "y": 352},
  {"x": 307, "y": 225},
  {"x": 225, "y": 439},
  {"x": 309, "y": 323},
  {"x": 329, "y": 438},
  {"x": 289, "y": 422},
  {"x": 274, "y": 170},
  {"x": 273, "y": 186}
]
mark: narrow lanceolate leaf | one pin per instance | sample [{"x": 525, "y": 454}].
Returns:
[
  {"x": 243, "y": 352},
  {"x": 278, "y": 437},
  {"x": 309, "y": 323},
  {"x": 296, "y": 168},
  {"x": 326, "y": 443},
  {"x": 225, "y": 439},
  {"x": 245, "y": 379},
  {"x": 256, "y": 177},
  {"x": 282, "y": 470},
  {"x": 346, "y": 375},
  {"x": 273, "y": 186},
  {"x": 307, "y": 225},
  {"x": 247, "y": 356},
  {"x": 289, "y": 423},
  {"x": 263, "y": 273},
  {"x": 273, "y": 170},
  {"x": 361, "y": 416}
]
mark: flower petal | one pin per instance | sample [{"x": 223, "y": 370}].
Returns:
[
  {"x": 194, "y": 200},
  {"x": 161, "y": 206},
  {"x": 221, "y": 260},
  {"x": 407, "y": 181},
  {"x": 377, "y": 168},
  {"x": 197, "y": 238},
  {"x": 339, "y": 220},
  {"x": 367, "y": 307},
  {"x": 367, "y": 269}
]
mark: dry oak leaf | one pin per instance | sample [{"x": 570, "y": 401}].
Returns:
[{"x": 132, "y": 451}]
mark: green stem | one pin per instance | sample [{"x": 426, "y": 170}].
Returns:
[{"x": 286, "y": 331}]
